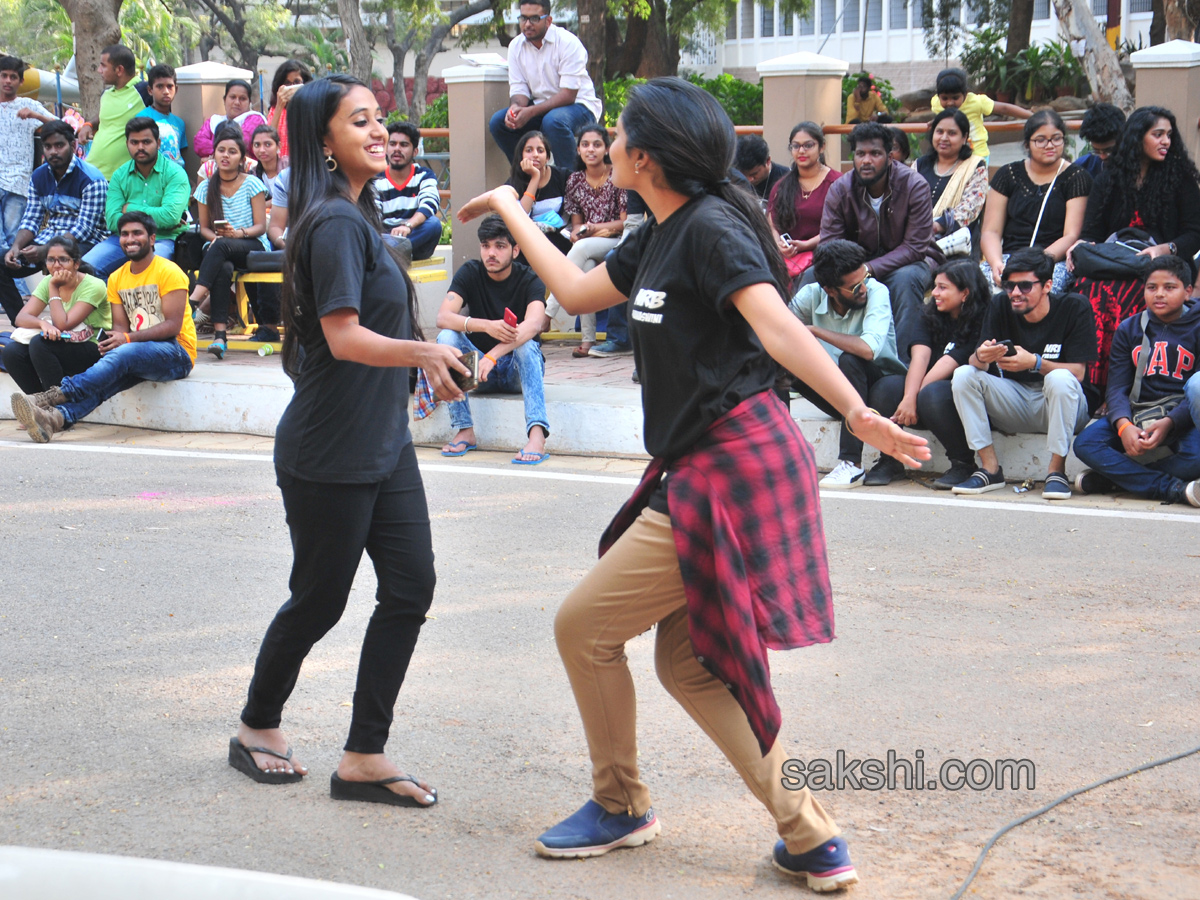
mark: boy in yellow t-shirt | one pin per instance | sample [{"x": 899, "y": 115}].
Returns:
[
  {"x": 952, "y": 93},
  {"x": 152, "y": 338}
]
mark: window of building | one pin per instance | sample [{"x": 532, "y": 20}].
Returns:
[
  {"x": 897, "y": 15},
  {"x": 918, "y": 13},
  {"x": 1041, "y": 9},
  {"x": 748, "y": 19},
  {"x": 731, "y": 22},
  {"x": 806, "y": 25},
  {"x": 1139, "y": 6},
  {"x": 786, "y": 24},
  {"x": 874, "y": 15},
  {"x": 850, "y": 23},
  {"x": 768, "y": 20},
  {"x": 828, "y": 16},
  {"x": 1100, "y": 9}
]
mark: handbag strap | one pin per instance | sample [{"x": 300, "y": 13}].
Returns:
[
  {"x": 1045, "y": 200},
  {"x": 1135, "y": 395}
]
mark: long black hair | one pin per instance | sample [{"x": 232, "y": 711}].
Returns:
[
  {"x": 286, "y": 68},
  {"x": 226, "y": 131},
  {"x": 783, "y": 210},
  {"x": 312, "y": 186},
  {"x": 965, "y": 275},
  {"x": 1162, "y": 188},
  {"x": 963, "y": 125},
  {"x": 519, "y": 179},
  {"x": 687, "y": 133}
]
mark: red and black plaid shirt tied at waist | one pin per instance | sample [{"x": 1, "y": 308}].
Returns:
[{"x": 747, "y": 522}]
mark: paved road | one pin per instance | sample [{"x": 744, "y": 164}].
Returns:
[{"x": 138, "y": 580}]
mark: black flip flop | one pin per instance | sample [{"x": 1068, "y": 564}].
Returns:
[
  {"x": 377, "y": 791},
  {"x": 240, "y": 759}
]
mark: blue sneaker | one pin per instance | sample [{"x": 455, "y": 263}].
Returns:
[
  {"x": 611, "y": 348},
  {"x": 827, "y": 868},
  {"x": 593, "y": 831}
]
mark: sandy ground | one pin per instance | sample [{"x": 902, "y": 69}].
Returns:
[{"x": 136, "y": 589}]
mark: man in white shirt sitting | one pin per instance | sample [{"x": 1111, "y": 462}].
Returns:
[{"x": 548, "y": 85}]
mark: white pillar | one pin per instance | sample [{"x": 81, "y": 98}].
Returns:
[
  {"x": 797, "y": 88},
  {"x": 476, "y": 163}
]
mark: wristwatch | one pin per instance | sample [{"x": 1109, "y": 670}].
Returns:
[{"x": 1173, "y": 248}]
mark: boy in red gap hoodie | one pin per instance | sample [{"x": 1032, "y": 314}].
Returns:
[{"x": 1160, "y": 458}]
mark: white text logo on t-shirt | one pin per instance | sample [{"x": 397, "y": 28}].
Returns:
[
  {"x": 647, "y": 299},
  {"x": 949, "y": 347},
  {"x": 1052, "y": 351}
]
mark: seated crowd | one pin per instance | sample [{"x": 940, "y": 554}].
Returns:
[{"x": 894, "y": 265}]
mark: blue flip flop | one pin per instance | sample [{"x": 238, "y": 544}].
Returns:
[
  {"x": 541, "y": 458},
  {"x": 466, "y": 448}
]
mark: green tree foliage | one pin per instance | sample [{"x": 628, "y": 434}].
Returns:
[{"x": 741, "y": 100}]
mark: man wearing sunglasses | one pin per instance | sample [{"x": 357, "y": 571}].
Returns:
[
  {"x": 850, "y": 313},
  {"x": 1028, "y": 375},
  {"x": 548, "y": 86}
]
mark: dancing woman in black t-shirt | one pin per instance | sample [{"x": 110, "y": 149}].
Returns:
[
  {"x": 722, "y": 545},
  {"x": 344, "y": 458}
]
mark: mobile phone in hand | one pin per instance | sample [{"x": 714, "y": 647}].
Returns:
[
  {"x": 1009, "y": 349},
  {"x": 102, "y": 335},
  {"x": 786, "y": 238},
  {"x": 467, "y": 382},
  {"x": 510, "y": 317}
]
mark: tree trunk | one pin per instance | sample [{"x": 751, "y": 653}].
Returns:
[
  {"x": 432, "y": 47},
  {"x": 95, "y": 25},
  {"x": 593, "y": 17},
  {"x": 661, "y": 56},
  {"x": 1019, "y": 27},
  {"x": 1076, "y": 23},
  {"x": 400, "y": 46},
  {"x": 350, "y": 15},
  {"x": 1158, "y": 23},
  {"x": 624, "y": 55},
  {"x": 1179, "y": 24}
]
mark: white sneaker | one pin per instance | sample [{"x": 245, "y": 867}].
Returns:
[{"x": 844, "y": 476}]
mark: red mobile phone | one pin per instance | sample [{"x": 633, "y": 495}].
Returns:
[{"x": 510, "y": 317}]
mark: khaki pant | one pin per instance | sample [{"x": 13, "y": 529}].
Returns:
[{"x": 636, "y": 585}]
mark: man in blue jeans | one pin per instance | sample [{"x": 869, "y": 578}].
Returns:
[
  {"x": 153, "y": 338},
  {"x": 548, "y": 86},
  {"x": 492, "y": 289},
  {"x": 1153, "y": 364}
]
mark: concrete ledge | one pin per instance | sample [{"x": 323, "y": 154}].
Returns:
[{"x": 27, "y": 874}]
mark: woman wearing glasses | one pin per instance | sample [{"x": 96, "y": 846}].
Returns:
[
  {"x": 1038, "y": 202},
  {"x": 78, "y": 304},
  {"x": 1150, "y": 183},
  {"x": 794, "y": 209}
]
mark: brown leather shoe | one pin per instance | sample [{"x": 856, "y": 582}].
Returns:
[
  {"x": 41, "y": 424},
  {"x": 47, "y": 399}
]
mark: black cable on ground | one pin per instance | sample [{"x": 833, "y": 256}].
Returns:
[{"x": 1049, "y": 806}]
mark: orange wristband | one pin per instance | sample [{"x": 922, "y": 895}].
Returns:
[
  {"x": 128, "y": 339},
  {"x": 492, "y": 358},
  {"x": 1121, "y": 430}
]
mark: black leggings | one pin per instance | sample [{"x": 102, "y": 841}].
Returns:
[
  {"x": 935, "y": 411},
  {"x": 42, "y": 364},
  {"x": 331, "y": 525},
  {"x": 216, "y": 272}
]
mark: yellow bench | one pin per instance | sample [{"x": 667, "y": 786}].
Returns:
[{"x": 424, "y": 273}]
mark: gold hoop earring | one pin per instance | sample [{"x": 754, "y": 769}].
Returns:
[{"x": 330, "y": 163}]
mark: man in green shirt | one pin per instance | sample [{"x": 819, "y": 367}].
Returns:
[
  {"x": 149, "y": 183},
  {"x": 119, "y": 103}
]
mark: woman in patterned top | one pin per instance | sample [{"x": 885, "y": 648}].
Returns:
[
  {"x": 595, "y": 210},
  {"x": 958, "y": 179},
  {"x": 233, "y": 218}
]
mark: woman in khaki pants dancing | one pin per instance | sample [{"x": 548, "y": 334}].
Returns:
[{"x": 721, "y": 545}]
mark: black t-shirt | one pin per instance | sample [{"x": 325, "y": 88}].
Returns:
[
  {"x": 1066, "y": 335},
  {"x": 1025, "y": 201},
  {"x": 959, "y": 350},
  {"x": 487, "y": 299},
  {"x": 763, "y": 189},
  {"x": 347, "y": 422},
  {"x": 556, "y": 187},
  {"x": 698, "y": 358}
]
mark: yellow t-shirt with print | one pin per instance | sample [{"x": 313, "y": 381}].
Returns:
[
  {"x": 974, "y": 107},
  {"x": 141, "y": 295}
]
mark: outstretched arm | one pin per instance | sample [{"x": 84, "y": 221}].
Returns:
[{"x": 577, "y": 291}]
